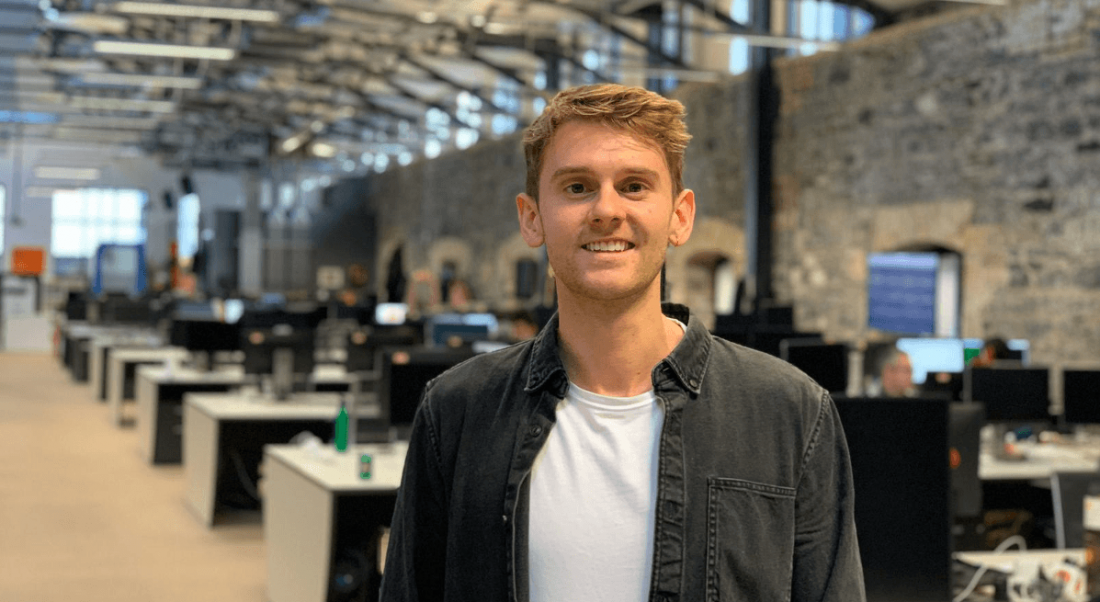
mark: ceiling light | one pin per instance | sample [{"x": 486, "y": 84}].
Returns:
[
  {"x": 136, "y": 79},
  {"x": 323, "y": 150},
  {"x": 121, "y": 104},
  {"x": 115, "y": 123},
  {"x": 164, "y": 50},
  {"x": 292, "y": 144},
  {"x": 427, "y": 17},
  {"x": 47, "y": 172},
  {"x": 196, "y": 12}
]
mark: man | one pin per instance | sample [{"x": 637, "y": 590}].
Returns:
[
  {"x": 893, "y": 375},
  {"x": 624, "y": 453}
]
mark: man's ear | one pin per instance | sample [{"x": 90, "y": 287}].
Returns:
[
  {"x": 683, "y": 218},
  {"x": 530, "y": 222}
]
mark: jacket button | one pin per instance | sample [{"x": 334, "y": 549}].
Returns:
[
  {"x": 505, "y": 519},
  {"x": 535, "y": 431}
]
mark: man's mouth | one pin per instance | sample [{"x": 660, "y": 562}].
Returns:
[{"x": 615, "y": 246}]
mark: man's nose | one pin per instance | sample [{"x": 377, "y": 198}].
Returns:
[{"x": 608, "y": 207}]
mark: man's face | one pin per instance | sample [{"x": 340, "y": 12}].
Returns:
[
  {"x": 897, "y": 376},
  {"x": 606, "y": 212}
]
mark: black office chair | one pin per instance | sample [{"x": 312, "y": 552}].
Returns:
[{"x": 1069, "y": 490}]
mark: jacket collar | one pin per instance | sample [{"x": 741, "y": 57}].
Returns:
[{"x": 687, "y": 363}]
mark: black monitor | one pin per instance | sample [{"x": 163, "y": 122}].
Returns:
[
  {"x": 403, "y": 374},
  {"x": 899, "y": 454},
  {"x": 826, "y": 363},
  {"x": 364, "y": 344},
  {"x": 966, "y": 421},
  {"x": 259, "y": 345},
  {"x": 1081, "y": 396},
  {"x": 205, "y": 335},
  {"x": 269, "y": 317},
  {"x": 1010, "y": 394},
  {"x": 120, "y": 309}
]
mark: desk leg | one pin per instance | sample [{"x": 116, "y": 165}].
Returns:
[
  {"x": 297, "y": 530},
  {"x": 114, "y": 391},
  {"x": 200, "y": 462},
  {"x": 147, "y": 417}
]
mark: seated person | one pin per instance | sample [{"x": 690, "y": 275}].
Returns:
[{"x": 891, "y": 374}]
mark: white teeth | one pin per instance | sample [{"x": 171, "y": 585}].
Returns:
[{"x": 606, "y": 246}]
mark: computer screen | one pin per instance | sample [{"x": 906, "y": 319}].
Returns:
[
  {"x": 404, "y": 373},
  {"x": 391, "y": 314},
  {"x": 259, "y": 347},
  {"x": 826, "y": 363},
  {"x": 363, "y": 345},
  {"x": 1081, "y": 396},
  {"x": 183, "y": 309},
  {"x": 1010, "y": 394},
  {"x": 933, "y": 355},
  {"x": 900, "y": 469},
  {"x": 205, "y": 335}
]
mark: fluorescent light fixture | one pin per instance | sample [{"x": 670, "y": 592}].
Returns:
[
  {"x": 196, "y": 11},
  {"x": 323, "y": 150},
  {"x": 49, "y": 172},
  {"x": 292, "y": 144},
  {"x": 135, "y": 79},
  {"x": 112, "y": 123},
  {"x": 121, "y": 104},
  {"x": 164, "y": 50}
]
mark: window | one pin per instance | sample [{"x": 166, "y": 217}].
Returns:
[
  {"x": 86, "y": 218},
  {"x": 915, "y": 292}
]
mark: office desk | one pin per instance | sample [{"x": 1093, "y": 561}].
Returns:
[
  {"x": 1008, "y": 561},
  {"x": 100, "y": 348},
  {"x": 159, "y": 393},
  {"x": 318, "y": 512},
  {"x": 223, "y": 439},
  {"x": 1042, "y": 461},
  {"x": 122, "y": 367}
]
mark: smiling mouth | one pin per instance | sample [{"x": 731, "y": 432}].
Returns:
[{"x": 617, "y": 246}]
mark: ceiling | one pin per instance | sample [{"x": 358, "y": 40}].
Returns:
[{"x": 337, "y": 81}]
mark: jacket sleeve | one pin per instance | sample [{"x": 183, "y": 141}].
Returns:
[
  {"x": 827, "y": 564},
  {"x": 416, "y": 555}
]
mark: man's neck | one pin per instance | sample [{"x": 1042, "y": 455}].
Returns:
[{"x": 611, "y": 348}]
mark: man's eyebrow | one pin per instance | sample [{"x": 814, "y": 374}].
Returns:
[{"x": 575, "y": 171}]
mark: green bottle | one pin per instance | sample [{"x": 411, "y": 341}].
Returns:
[{"x": 342, "y": 427}]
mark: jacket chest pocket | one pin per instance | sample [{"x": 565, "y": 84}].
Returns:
[{"x": 750, "y": 541}]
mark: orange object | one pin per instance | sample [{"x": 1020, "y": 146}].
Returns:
[{"x": 28, "y": 261}]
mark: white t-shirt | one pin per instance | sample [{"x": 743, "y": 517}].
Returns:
[{"x": 593, "y": 500}]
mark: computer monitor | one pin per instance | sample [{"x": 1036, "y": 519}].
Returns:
[
  {"x": 363, "y": 345},
  {"x": 900, "y": 469},
  {"x": 826, "y": 363},
  {"x": 931, "y": 355},
  {"x": 403, "y": 374},
  {"x": 1081, "y": 396},
  {"x": 205, "y": 335},
  {"x": 391, "y": 314},
  {"x": 260, "y": 344},
  {"x": 1010, "y": 394},
  {"x": 965, "y": 422},
  {"x": 183, "y": 309}
]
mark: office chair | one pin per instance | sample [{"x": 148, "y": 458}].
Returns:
[{"x": 1069, "y": 490}]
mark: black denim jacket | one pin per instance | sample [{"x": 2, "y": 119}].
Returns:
[{"x": 754, "y": 499}]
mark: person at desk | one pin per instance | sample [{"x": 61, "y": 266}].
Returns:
[
  {"x": 624, "y": 453},
  {"x": 993, "y": 350},
  {"x": 892, "y": 374}
]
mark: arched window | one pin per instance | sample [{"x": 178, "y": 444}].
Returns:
[{"x": 915, "y": 290}]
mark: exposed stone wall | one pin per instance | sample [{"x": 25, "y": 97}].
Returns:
[{"x": 978, "y": 131}]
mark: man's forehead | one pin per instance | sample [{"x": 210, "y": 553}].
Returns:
[{"x": 567, "y": 134}]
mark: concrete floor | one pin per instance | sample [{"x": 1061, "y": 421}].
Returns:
[{"x": 83, "y": 518}]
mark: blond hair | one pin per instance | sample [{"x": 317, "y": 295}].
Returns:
[{"x": 638, "y": 111}]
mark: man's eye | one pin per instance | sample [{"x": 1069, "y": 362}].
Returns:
[
  {"x": 634, "y": 187},
  {"x": 575, "y": 188}
]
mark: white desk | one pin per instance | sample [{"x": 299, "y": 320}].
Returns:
[
  {"x": 159, "y": 391},
  {"x": 305, "y": 491},
  {"x": 118, "y": 362},
  {"x": 1009, "y": 560},
  {"x": 208, "y": 416},
  {"x": 1042, "y": 461},
  {"x": 100, "y": 348}
]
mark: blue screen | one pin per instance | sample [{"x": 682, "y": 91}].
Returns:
[{"x": 902, "y": 292}]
